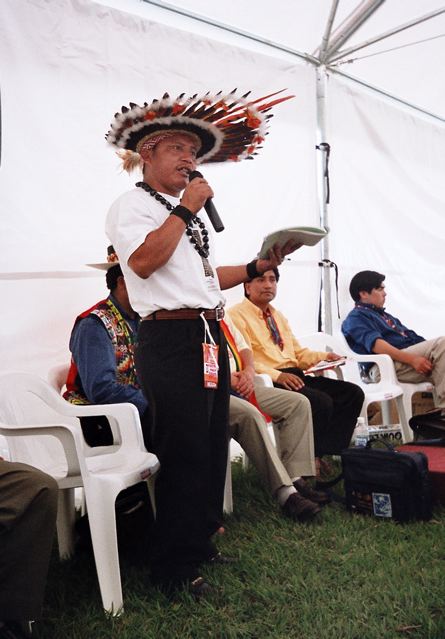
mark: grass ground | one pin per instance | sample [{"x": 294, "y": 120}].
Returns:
[{"x": 345, "y": 577}]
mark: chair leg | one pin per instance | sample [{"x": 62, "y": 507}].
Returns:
[
  {"x": 407, "y": 433},
  {"x": 364, "y": 411},
  {"x": 228, "y": 497},
  {"x": 386, "y": 412},
  {"x": 151, "y": 493},
  {"x": 407, "y": 403},
  {"x": 65, "y": 522},
  {"x": 102, "y": 518}
]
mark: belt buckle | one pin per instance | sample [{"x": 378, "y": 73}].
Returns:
[{"x": 219, "y": 313}]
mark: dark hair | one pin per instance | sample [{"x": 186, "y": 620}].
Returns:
[
  {"x": 112, "y": 275},
  {"x": 277, "y": 277},
  {"x": 364, "y": 281}
]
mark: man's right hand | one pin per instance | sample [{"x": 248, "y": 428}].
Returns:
[
  {"x": 290, "y": 381},
  {"x": 421, "y": 364},
  {"x": 195, "y": 195}
]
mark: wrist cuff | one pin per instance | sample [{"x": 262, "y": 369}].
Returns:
[
  {"x": 252, "y": 270},
  {"x": 182, "y": 212}
]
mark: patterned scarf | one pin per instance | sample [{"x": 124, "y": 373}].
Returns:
[{"x": 273, "y": 329}]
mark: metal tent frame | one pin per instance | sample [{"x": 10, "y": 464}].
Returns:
[{"x": 325, "y": 60}]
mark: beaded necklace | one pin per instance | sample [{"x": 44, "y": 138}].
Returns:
[{"x": 198, "y": 238}]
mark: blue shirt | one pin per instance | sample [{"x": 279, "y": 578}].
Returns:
[
  {"x": 93, "y": 353},
  {"x": 367, "y": 323}
]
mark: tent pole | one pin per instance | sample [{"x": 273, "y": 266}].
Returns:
[
  {"x": 387, "y": 34},
  {"x": 321, "y": 51},
  {"x": 322, "y": 158},
  {"x": 344, "y": 32}
]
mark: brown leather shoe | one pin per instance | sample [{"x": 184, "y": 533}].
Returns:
[
  {"x": 318, "y": 496},
  {"x": 300, "y": 508}
]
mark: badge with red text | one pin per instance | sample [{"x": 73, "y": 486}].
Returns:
[{"x": 210, "y": 352}]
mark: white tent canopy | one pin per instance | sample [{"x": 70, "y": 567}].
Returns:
[{"x": 68, "y": 65}]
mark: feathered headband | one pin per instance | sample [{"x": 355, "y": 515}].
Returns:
[{"x": 227, "y": 127}]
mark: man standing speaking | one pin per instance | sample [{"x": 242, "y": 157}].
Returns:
[{"x": 166, "y": 255}]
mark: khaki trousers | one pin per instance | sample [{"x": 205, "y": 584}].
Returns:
[
  {"x": 434, "y": 350},
  {"x": 291, "y": 413}
]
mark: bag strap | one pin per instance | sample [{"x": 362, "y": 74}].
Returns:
[{"x": 371, "y": 442}]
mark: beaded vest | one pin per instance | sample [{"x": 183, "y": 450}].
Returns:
[{"x": 122, "y": 339}]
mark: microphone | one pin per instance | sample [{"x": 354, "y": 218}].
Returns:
[{"x": 209, "y": 206}]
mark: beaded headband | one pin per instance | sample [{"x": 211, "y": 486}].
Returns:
[{"x": 228, "y": 127}]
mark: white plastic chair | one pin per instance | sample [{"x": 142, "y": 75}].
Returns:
[
  {"x": 409, "y": 389},
  {"x": 383, "y": 391},
  {"x": 57, "y": 378},
  {"x": 228, "y": 495},
  {"x": 42, "y": 429}
]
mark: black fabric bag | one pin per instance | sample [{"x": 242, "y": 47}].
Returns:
[
  {"x": 387, "y": 483},
  {"x": 428, "y": 425},
  {"x": 134, "y": 524}
]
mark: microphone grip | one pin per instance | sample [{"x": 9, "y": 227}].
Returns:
[
  {"x": 209, "y": 207},
  {"x": 213, "y": 215}
]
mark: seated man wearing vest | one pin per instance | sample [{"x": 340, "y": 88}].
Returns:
[
  {"x": 102, "y": 351},
  {"x": 102, "y": 367}
]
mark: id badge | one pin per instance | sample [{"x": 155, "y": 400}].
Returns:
[{"x": 210, "y": 353}]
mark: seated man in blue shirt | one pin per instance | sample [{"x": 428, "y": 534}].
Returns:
[
  {"x": 102, "y": 365},
  {"x": 370, "y": 329}
]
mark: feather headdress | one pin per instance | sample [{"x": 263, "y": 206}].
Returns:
[{"x": 226, "y": 127}]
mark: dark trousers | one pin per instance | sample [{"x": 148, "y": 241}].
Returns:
[
  {"x": 335, "y": 407},
  {"x": 189, "y": 436},
  {"x": 28, "y": 507}
]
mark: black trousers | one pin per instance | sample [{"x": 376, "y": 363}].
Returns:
[
  {"x": 189, "y": 436},
  {"x": 28, "y": 507},
  {"x": 335, "y": 407}
]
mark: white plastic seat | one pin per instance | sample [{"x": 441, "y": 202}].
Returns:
[
  {"x": 382, "y": 392},
  {"x": 42, "y": 429},
  {"x": 57, "y": 377}
]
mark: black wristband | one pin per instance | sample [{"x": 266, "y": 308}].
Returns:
[
  {"x": 252, "y": 270},
  {"x": 183, "y": 212}
]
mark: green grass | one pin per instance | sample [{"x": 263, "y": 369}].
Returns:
[{"x": 345, "y": 577}]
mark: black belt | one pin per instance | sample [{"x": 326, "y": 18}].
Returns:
[{"x": 187, "y": 314}]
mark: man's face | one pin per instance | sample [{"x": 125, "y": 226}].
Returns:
[
  {"x": 262, "y": 290},
  {"x": 376, "y": 296},
  {"x": 168, "y": 165}
]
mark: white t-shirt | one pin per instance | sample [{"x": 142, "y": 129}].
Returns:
[{"x": 182, "y": 282}]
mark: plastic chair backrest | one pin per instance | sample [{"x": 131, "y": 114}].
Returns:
[{"x": 57, "y": 376}]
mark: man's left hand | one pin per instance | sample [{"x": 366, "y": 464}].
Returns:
[{"x": 276, "y": 256}]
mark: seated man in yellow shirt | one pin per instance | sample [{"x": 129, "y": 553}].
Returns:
[{"x": 335, "y": 404}]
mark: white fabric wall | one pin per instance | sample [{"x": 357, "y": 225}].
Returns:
[
  {"x": 388, "y": 203},
  {"x": 66, "y": 67}
]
